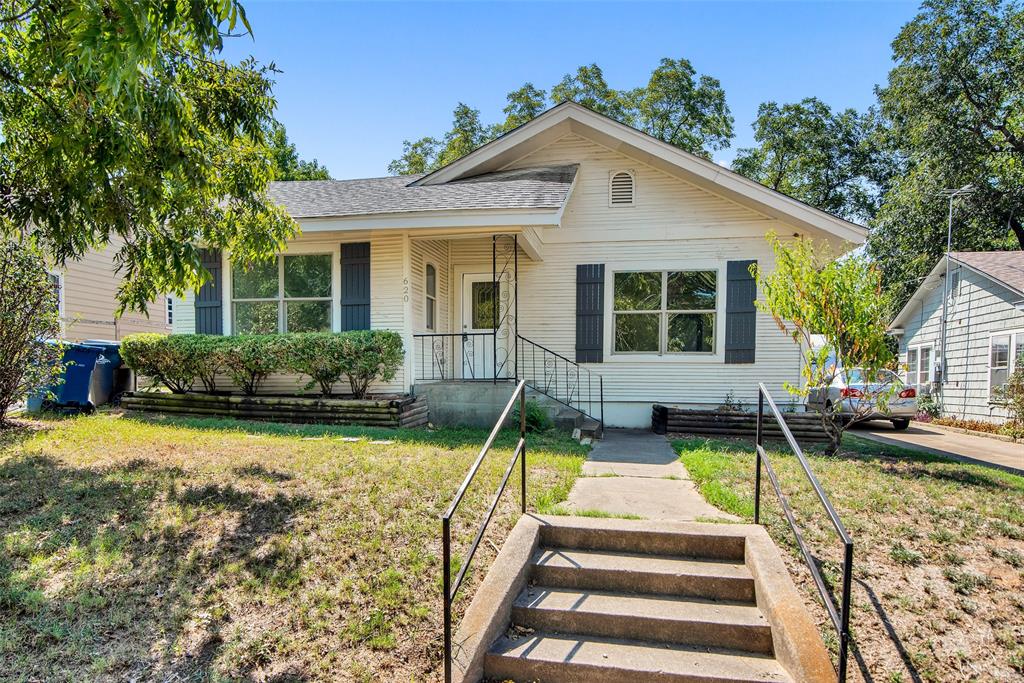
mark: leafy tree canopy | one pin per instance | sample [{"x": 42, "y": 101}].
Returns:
[
  {"x": 818, "y": 156},
  {"x": 119, "y": 119},
  {"x": 287, "y": 164},
  {"x": 675, "y": 105},
  {"x": 955, "y": 103}
]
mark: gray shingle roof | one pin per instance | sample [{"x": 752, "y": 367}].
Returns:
[
  {"x": 1005, "y": 267},
  {"x": 525, "y": 188}
]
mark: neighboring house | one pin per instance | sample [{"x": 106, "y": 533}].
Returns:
[
  {"x": 610, "y": 252},
  {"x": 86, "y": 294},
  {"x": 984, "y": 331}
]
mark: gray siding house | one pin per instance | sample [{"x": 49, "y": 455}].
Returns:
[{"x": 984, "y": 332}]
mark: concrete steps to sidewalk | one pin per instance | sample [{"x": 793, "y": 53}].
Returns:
[{"x": 636, "y": 604}]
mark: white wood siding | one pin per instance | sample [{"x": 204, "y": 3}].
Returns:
[
  {"x": 184, "y": 314},
  {"x": 980, "y": 309}
]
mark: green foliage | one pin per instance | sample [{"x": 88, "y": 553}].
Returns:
[
  {"x": 176, "y": 361},
  {"x": 370, "y": 355},
  {"x": 29, "y": 317},
  {"x": 1011, "y": 395},
  {"x": 818, "y": 156},
  {"x": 319, "y": 355},
  {"x": 205, "y": 354},
  {"x": 955, "y": 105},
  {"x": 122, "y": 126},
  {"x": 675, "y": 105},
  {"x": 141, "y": 353},
  {"x": 810, "y": 293},
  {"x": 929, "y": 406},
  {"x": 250, "y": 359},
  {"x": 287, "y": 164},
  {"x": 537, "y": 419}
]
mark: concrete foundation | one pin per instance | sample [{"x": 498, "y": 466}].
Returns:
[{"x": 465, "y": 404}]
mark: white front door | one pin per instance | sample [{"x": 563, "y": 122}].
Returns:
[{"x": 477, "y": 344}]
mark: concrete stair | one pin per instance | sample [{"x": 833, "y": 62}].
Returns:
[
  {"x": 565, "y": 418},
  {"x": 630, "y": 605}
]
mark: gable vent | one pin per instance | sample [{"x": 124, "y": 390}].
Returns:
[{"x": 621, "y": 189}]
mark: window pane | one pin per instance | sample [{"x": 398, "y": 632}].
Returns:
[
  {"x": 1000, "y": 352},
  {"x": 912, "y": 366},
  {"x": 483, "y": 305},
  {"x": 997, "y": 378},
  {"x": 691, "y": 333},
  {"x": 1018, "y": 350},
  {"x": 431, "y": 281},
  {"x": 430, "y": 314},
  {"x": 636, "y": 332},
  {"x": 691, "y": 290},
  {"x": 307, "y": 276},
  {"x": 257, "y": 282},
  {"x": 637, "y": 291},
  {"x": 925, "y": 367},
  {"x": 255, "y": 317},
  {"x": 308, "y": 316}
]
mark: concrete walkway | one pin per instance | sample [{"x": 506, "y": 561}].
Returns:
[
  {"x": 963, "y": 447},
  {"x": 636, "y": 473}
]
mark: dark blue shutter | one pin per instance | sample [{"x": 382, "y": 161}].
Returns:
[
  {"x": 355, "y": 286},
  {"x": 740, "y": 313},
  {"x": 589, "y": 313},
  {"x": 209, "y": 302}
]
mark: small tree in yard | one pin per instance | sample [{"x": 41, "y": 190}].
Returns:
[
  {"x": 1012, "y": 396},
  {"x": 810, "y": 293},
  {"x": 29, "y": 317}
]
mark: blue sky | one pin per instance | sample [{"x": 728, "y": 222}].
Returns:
[{"x": 358, "y": 78}]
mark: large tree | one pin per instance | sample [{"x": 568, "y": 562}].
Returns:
[
  {"x": 955, "y": 102},
  {"x": 676, "y": 105},
  {"x": 120, "y": 119},
  {"x": 287, "y": 163},
  {"x": 824, "y": 158}
]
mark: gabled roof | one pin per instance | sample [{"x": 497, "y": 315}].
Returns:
[
  {"x": 1004, "y": 268},
  {"x": 570, "y": 117},
  {"x": 544, "y": 187}
]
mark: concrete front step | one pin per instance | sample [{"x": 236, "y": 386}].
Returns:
[
  {"x": 545, "y": 656},
  {"x": 666, "y": 619},
  {"x": 643, "y": 573},
  {"x": 704, "y": 545}
]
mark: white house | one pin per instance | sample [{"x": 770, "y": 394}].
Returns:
[
  {"x": 620, "y": 264},
  {"x": 984, "y": 332}
]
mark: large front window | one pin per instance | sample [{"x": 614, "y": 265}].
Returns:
[
  {"x": 289, "y": 294},
  {"x": 1005, "y": 354},
  {"x": 919, "y": 366},
  {"x": 663, "y": 312}
]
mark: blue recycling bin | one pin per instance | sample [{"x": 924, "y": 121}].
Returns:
[{"x": 72, "y": 395}]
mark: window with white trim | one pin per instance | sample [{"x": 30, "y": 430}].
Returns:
[
  {"x": 665, "y": 312},
  {"x": 1005, "y": 354},
  {"x": 621, "y": 188},
  {"x": 920, "y": 369},
  {"x": 430, "y": 294},
  {"x": 293, "y": 293},
  {"x": 170, "y": 311}
]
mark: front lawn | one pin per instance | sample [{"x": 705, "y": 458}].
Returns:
[
  {"x": 938, "y": 592},
  {"x": 202, "y": 550}
]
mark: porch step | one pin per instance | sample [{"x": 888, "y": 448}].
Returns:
[
  {"x": 694, "y": 545},
  {"x": 643, "y": 573},
  {"x": 666, "y": 619},
  {"x": 546, "y": 656}
]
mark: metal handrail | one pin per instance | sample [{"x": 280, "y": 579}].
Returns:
[
  {"x": 840, "y": 618},
  {"x": 450, "y": 589},
  {"x": 451, "y": 360},
  {"x": 575, "y": 403}
]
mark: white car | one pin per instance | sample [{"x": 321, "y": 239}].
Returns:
[{"x": 846, "y": 396}]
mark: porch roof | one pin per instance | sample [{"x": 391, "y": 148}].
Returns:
[{"x": 544, "y": 187}]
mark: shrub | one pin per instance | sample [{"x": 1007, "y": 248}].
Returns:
[
  {"x": 1012, "y": 394},
  {"x": 207, "y": 352},
  {"x": 142, "y": 353},
  {"x": 370, "y": 355},
  {"x": 29, "y": 317},
  {"x": 172, "y": 360},
  {"x": 250, "y": 359},
  {"x": 928, "y": 407},
  {"x": 320, "y": 356},
  {"x": 537, "y": 419}
]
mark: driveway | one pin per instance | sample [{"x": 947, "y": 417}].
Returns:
[{"x": 964, "y": 447}]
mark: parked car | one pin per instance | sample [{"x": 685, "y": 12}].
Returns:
[{"x": 849, "y": 388}]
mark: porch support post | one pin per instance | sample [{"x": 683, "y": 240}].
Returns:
[
  {"x": 495, "y": 304},
  {"x": 515, "y": 304},
  {"x": 409, "y": 368}
]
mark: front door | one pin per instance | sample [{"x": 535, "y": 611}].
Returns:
[{"x": 477, "y": 344}]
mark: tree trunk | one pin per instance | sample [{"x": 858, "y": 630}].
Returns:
[{"x": 1018, "y": 230}]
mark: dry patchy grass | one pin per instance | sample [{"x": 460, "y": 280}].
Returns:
[
  {"x": 203, "y": 550},
  {"x": 938, "y": 591}
]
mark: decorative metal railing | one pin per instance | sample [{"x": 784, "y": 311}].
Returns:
[
  {"x": 457, "y": 356},
  {"x": 841, "y": 617},
  {"x": 564, "y": 380}
]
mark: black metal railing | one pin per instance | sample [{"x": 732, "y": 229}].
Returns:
[
  {"x": 564, "y": 380},
  {"x": 841, "y": 617},
  {"x": 460, "y": 355},
  {"x": 519, "y": 454}
]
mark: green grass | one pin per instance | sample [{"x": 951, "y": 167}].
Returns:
[
  {"x": 938, "y": 550},
  {"x": 214, "y": 550},
  {"x": 599, "y": 514}
]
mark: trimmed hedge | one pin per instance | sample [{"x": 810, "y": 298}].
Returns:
[{"x": 180, "y": 360}]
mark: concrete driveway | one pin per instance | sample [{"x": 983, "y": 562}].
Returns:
[{"x": 964, "y": 447}]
